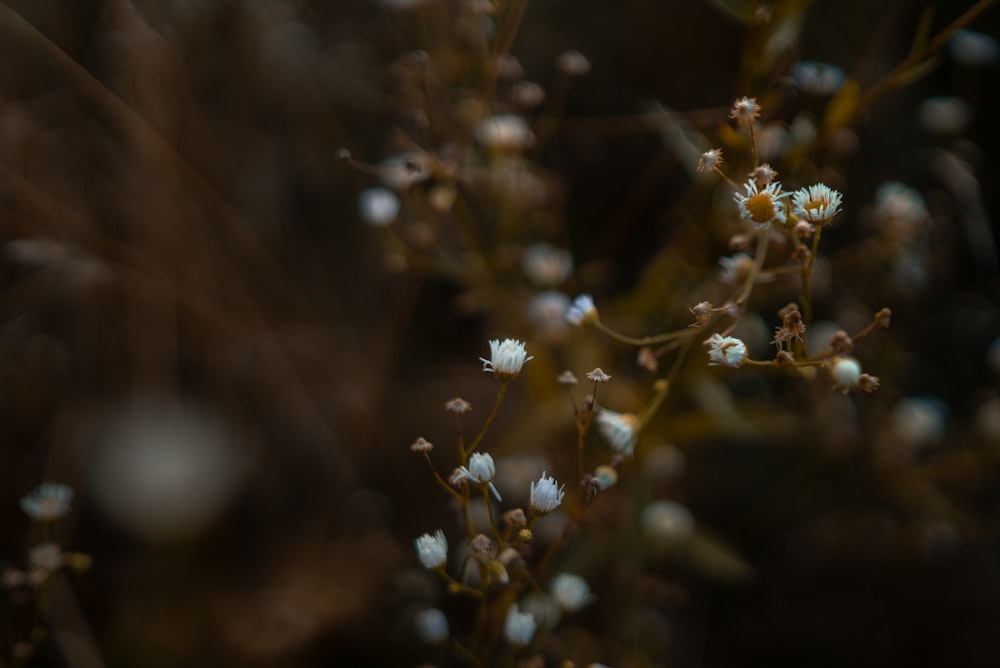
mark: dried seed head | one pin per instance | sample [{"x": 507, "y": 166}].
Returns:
[
  {"x": 840, "y": 342},
  {"x": 421, "y": 446},
  {"x": 515, "y": 519},
  {"x": 482, "y": 547},
  {"x": 745, "y": 110},
  {"x": 567, "y": 378},
  {"x": 710, "y": 160},
  {"x": 882, "y": 318},
  {"x": 784, "y": 358},
  {"x": 866, "y": 383},
  {"x": 457, "y": 406},
  {"x": 598, "y": 376},
  {"x": 702, "y": 314},
  {"x": 763, "y": 174}
]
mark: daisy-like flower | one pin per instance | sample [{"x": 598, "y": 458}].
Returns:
[
  {"x": 519, "y": 627},
  {"x": 546, "y": 495},
  {"x": 432, "y": 550},
  {"x": 507, "y": 358},
  {"x": 817, "y": 204},
  {"x": 582, "y": 311},
  {"x": 481, "y": 471},
  {"x": 762, "y": 206},
  {"x": 725, "y": 351},
  {"x": 620, "y": 429},
  {"x": 745, "y": 110},
  {"x": 571, "y": 592},
  {"x": 710, "y": 159},
  {"x": 48, "y": 502}
]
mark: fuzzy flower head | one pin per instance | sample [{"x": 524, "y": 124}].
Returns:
[
  {"x": 620, "y": 429},
  {"x": 47, "y": 502},
  {"x": 571, "y": 592},
  {"x": 432, "y": 550},
  {"x": 725, "y": 351},
  {"x": 745, "y": 110},
  {"x": 762, "y": 206},
  {"x": 507, "y": 358},
  {"x": 546, "y": 495},
  {"x": 582, "y": 311},
  {"x": 519, "y": 627},
  {"x": 481, "y": 471},
  {"x": 816, "y": 204},
  {"x": 710, "y": 159}
]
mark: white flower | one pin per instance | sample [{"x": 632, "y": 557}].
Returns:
[
  {"x": 571, "y": 591},
  {"x": 378, "y": 206},
  {"x": 620, "y": 429},
  {"x": 546, "y": 265},
  {"x": 846, "y": 373},
  {"x": 546, "y": 495},
  {"x": 48, "y": 502},
  {"x": 818, "y": 78},
  {"x": 481, "y": 471},
  {"x": 816, "y": 204},
  {"x": 725, "y": 351},
  {"x": 432, "y": 626},
  {"x": 762, "y": 206},
  {"x": 583, "y": 311},
  {"x": 432, "y": 550},
  {"x": 519, "y": 627},
  {"x": 507, "y": 357}
]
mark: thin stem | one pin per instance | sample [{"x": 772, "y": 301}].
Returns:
[
  {"x": 437, "y": 476},
  {"x": 807, "y": 269},
  {"x": 645, "y": 340},
  {"x": 899, "y": 75},
  {"x": 489, "y": 420},
  {"x": 489, "y": 511}
]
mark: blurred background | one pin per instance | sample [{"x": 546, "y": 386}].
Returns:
[{"x": 227, "y": 356}]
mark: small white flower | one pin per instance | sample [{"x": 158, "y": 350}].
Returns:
[
  {"x": 818, "y": 78},
  {"x": 378, "y": 206},
  {"x": 762, "y": 206},
  {"x": 583, "y": 311},
  {"x": 846, "y": 372},
  {"x": 519, "y": 627},
  {"x": 432, "y": 550},
  {"x": 571, "y": 591},
  {"x": 481, "y": 471},
  {"x": 507, "y": 358},
  {"x": 725, "y": 351},
  {"x": 816, "y": 204},
  {"x": 546, "y": 265},
  {"x": 620, "y": 429},
  {"x": 432, "y": 626},
  {"x": 48, "y": 502},
  {"x": 546, "y": 495}
]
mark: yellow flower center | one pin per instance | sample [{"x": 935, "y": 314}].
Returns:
[
  {"x": 761, "y": 207},
  {"x": 814, "y": 205}
]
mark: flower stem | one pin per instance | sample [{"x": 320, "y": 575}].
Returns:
[{"x": 489, "y": 420}]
